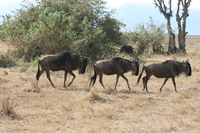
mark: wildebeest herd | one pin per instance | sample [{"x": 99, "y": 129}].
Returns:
[{"x": 68, "y": 62}]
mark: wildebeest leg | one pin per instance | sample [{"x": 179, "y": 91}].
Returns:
[
  {"x": 163, "y": 84},
  {"x": 65, "y": 78},
  {"x": 117, "y": 78},
  {"x": 39, "y": 74},
  {"x": 48, "y": 76},
  {"x": 173, "y": 80},
  {"x": 42, "y": 71},
  {"x": 145, "y": 80},
  {"x": 74, "y": 76},
  {"x": 126, "y": 81},
  {"x": 100, "y": 79},
  {"x": 93, "y": 78}
]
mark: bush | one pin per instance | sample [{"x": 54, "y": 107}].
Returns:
[
  {"x": 47, "y": 27},
  {"x": 147, "y": 37}
]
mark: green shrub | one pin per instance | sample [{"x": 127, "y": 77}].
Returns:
[
  {"x": 148, "y": 37},
  {"x": 48, "y": 27}
]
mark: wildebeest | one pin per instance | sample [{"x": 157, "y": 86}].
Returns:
[
  {"x": 167, "y": 69},
  {"x": 64, "y": 61},
  {"x": 127, "y": 49},
  {"x": 117, "y": 66}
]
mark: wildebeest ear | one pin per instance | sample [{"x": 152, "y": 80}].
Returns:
[{"x": 187, "y": 60}]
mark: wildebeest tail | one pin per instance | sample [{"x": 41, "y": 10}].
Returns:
[
  {"x": 38, "y": 72},
  {"x": 140, "y": 75},
  {"x": 93, "y": 78}
]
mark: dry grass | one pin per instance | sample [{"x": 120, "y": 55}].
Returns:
[
  {"x": 7, "y": 107},
  {"x": 82, "y": 109}
]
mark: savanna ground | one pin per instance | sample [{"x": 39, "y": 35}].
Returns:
[{"x": 83, "y": 109}]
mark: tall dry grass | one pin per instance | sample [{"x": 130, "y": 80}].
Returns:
[{"x": 79, "y": 108}]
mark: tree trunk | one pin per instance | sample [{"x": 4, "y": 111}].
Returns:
[
  {"x": 181, "y": 42},
  {"x": 167, "y": 12},
  {"x": 171, "y": 47},
  {"x": 182, "y": 18}
]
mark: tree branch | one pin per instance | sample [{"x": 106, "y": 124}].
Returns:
[{"x": 167, "y": 12}]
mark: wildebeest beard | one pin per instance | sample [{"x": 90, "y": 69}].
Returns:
[{"x": 190, "y": 70}]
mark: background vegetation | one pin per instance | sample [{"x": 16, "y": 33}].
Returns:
[
  {"x": 83, "y": 27},
  {"x": 47, "y": 27}
]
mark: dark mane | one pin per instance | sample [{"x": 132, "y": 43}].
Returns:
[
  {"x": 64, "y": 54},
  {"x": 176, "y": 65},
  {"x": 167, "y": 61},
  {"x": 121, "y": 62},
  {"x": 68, "y": 58},
  {"x": 118, "y": 59}
]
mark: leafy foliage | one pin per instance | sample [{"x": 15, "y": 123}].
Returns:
[
  {"x": 147, "y": 37},
  {"x": 46, "y": 27}
]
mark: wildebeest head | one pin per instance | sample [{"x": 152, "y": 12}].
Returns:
[
  {"x": 83, "y": 61},
  {"x": 136, "y": 67},
  {"x": 187, "y": 68},
  {"x": 183, "y": 67}
]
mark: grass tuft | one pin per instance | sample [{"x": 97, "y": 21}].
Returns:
[
  {"x": 96, "y": 97},
  {"x": 8, "y": 107}
]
